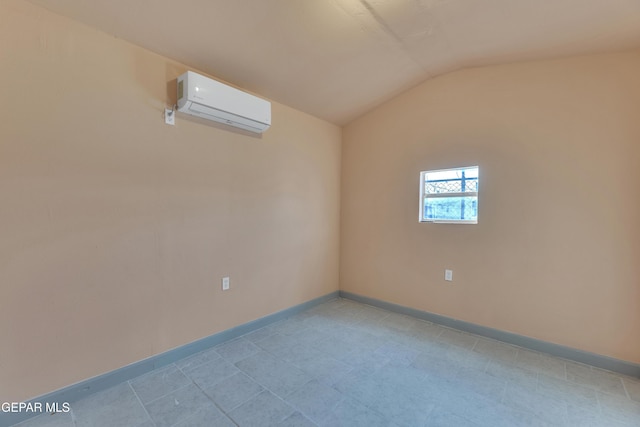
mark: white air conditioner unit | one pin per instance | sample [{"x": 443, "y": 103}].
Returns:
[{"x": 203, "y": 97}]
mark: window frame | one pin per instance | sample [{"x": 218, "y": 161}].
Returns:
[{"x": 424, "y": 196}]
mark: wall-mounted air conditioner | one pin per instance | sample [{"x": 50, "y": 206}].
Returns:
[{"x": 203, "y": 97}]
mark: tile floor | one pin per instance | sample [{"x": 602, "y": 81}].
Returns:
[{"x": 348, "y": 364}]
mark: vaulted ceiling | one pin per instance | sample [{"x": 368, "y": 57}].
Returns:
[{"x": 336, "y": 59}]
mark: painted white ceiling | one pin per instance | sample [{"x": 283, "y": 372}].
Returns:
[{"x": 336, "y": 59}]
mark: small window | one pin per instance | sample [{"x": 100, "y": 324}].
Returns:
[{"x": 449, "y": 195}]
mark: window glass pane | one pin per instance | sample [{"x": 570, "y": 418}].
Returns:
[
  {"x": 451, "y": 208},
  {"x": 451, "y": 181}
]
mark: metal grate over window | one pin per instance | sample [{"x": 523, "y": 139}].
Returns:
[{"x": 449, "y": 195}]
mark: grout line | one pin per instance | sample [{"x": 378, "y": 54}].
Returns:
[
  {"x": 215, "y": 403},
  {"x": 73, "y": 417},
  {"x": 141, "y": 404},
  {"x": 624, "y": 386},
  {"x": 599, "y": 403},
  {"x": 172, "y": 391},
  {"x": 564, "y": 370},
  {"x": 250, "y": 397},
  {"x": 199, "y": 364}
]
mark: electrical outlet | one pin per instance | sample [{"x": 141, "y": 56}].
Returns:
[
  {"x": 169, "y": 116},
  {"x": 448, "y": 275},
  {"x": 225, "y": 283}
]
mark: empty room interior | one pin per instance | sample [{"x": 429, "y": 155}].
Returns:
[{"x": 320, "y": 213}]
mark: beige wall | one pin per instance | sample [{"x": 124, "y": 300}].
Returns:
[
  {"x": 115, "y": 229},
  {"x": 556, "y": 252}
]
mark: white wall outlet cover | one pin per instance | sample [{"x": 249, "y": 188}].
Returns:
[
  {"x": 448, "y": 275},
  {"x": 225, "y": 283},
  {"x": 169, "y": 116}
]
